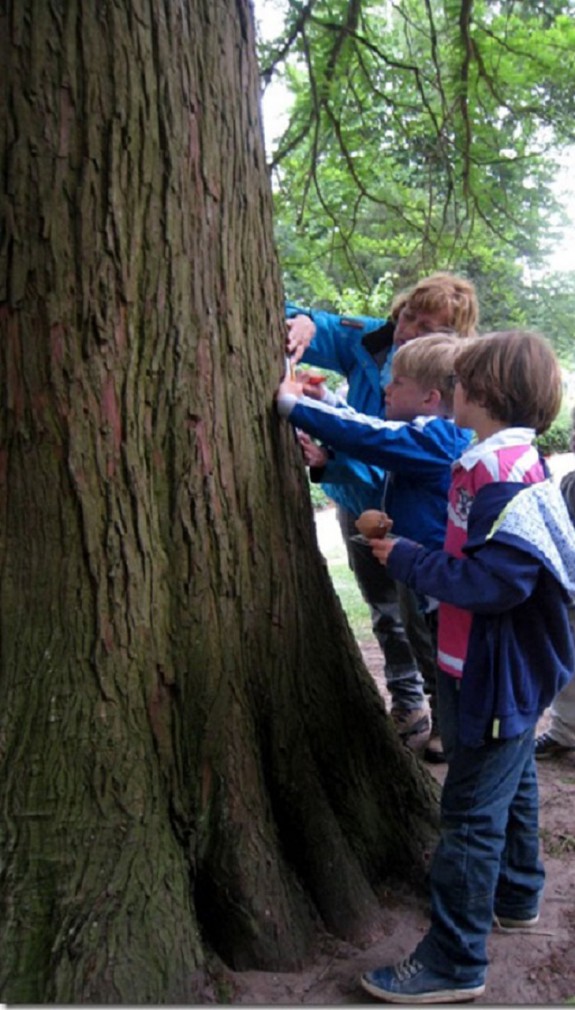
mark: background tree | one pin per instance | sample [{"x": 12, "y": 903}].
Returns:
[
  {"x": 422, "y": 135},
  {"x": 194, "y": 759}
]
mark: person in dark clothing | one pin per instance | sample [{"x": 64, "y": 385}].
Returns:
[{"x": 513, "y": 578}]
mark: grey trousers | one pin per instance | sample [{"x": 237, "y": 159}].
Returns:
[{"x": 379, "y": 590}]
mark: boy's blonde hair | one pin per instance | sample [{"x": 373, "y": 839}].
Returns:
[
  {"x": 430, "y": 361},
  {"x": 442, "y": 292},
  {"x": 514, "y": 375}
]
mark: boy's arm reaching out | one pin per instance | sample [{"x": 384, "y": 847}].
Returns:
[
  {"x": 494, "y": 579},
  {"x": 425, "y": 445}
]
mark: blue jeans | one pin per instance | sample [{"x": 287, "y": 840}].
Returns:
[
  {"x": 404, "y": 680},
  {"x": 487, "y": 860}
]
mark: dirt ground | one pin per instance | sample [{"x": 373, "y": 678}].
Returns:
[{"x": 534, "y": 968}]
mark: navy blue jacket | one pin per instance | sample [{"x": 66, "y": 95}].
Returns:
[
  {"x": 516, "y": 578},
  {"x": 417, "y": 454}
]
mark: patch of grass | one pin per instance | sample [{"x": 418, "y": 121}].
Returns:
[
  {"x": 557, "y": 844},
  {"x": 355, "y": 607},
  {"x": 345, "y": 585}
]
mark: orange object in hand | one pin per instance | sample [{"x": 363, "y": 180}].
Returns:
[{"x": 374, "y": 525}]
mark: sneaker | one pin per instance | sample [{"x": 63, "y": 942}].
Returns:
[
  {"x": 433, "y": 753},
  {"x": 413, "y": 726},
  {"x": 547, "y": 747},
  {"x": 503, "y": 924},
  {"x": 409, "y": 982}
]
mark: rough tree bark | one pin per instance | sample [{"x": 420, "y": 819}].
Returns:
[{"x": 193, "y": 758}]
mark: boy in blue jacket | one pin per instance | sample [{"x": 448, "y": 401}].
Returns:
[
  {"x": 416, "y": 444},
  {"x": 515, "y": 577},
  {"x": 361, "y": 349}
]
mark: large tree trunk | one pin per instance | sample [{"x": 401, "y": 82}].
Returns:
[{"x": 193, "y": 757}]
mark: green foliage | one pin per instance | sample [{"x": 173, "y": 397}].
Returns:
[
  {"x": 318, "y": 496},
  {"x": 550, "y": 307},
  {"x": 423, "y": 135},
  {"x": 558, "y": 437}
]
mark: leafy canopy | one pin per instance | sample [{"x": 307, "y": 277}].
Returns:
[{"x": 422, "y": 135}]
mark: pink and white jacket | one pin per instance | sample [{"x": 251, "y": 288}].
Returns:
[{"x": 509, "y": 455}]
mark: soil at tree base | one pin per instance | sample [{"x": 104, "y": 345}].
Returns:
[{"x": 537, "y": 968}]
